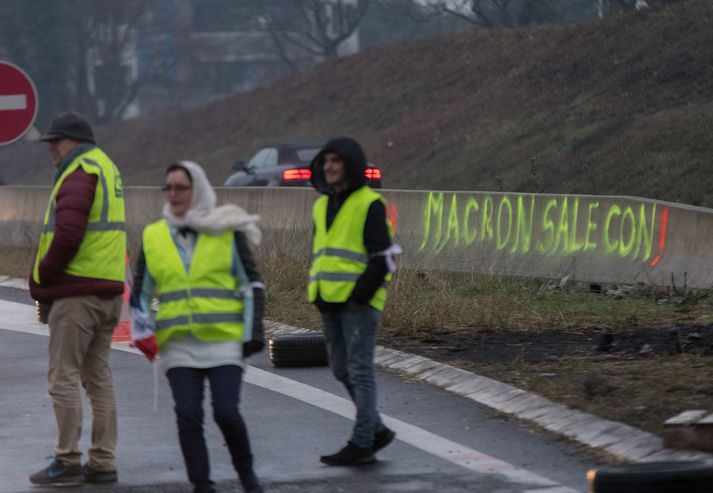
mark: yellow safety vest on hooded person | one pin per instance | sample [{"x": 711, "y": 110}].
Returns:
[
  {"x": 205, "y": 299},
  {"x": 102, "y": 253},
  {"x": 339, "y": 256}
]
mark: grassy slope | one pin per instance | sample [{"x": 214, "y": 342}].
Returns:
[{"x": 621, "y": 106}]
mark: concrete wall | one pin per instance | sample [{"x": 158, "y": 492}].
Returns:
[
  {"x": 601, "y": 239},
  {"x": 589, "y": 238}
]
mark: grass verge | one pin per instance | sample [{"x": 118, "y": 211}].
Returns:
[
  {"x": 635, "y": 391},
  {"x": 485, "y": 325},
  {"x": 527, "y": 333}
]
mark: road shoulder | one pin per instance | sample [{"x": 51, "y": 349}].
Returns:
[{"x": 619, "y": 440}]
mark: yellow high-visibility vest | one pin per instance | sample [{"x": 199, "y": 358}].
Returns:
[
  {"x": 102, "y": 253},
  {"x": 339, "y": 256},
  {"x": 204, "y": 300}
]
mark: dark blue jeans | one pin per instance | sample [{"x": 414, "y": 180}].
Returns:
[
  {"x": 351, "y": 340},
  {"x": 187, "y": 389}
]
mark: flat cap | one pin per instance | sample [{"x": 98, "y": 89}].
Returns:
[{"x": 70, "y": 125}]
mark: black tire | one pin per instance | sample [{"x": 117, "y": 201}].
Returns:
[
  {"x": 654, "y": 477},
  {"x": 298, "y": 350}
]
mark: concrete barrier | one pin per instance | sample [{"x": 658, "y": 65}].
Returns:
[{"x": 599, "y": 239}]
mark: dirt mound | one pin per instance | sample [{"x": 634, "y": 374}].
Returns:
[
  {"x": 619, "y": 106},
  {"x": 548, "y": 347}
]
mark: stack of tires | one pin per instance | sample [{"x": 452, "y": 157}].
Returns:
[
  {"x": 298, "y": 350},
  {"x": 653, "y": 477}
]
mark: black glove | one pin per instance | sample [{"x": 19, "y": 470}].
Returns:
[
  {"x": 257, "y": 340},
  {"x": 354, "y": 306},
  {"x": 252, "y": 347}
]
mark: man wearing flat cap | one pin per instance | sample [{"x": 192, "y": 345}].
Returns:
[{"x": 79, "y": 271}]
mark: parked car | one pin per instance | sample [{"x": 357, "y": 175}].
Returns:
[{"x": 285, "y": 164}]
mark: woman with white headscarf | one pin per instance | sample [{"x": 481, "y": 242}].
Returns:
[{"x": 197, "y": 262}]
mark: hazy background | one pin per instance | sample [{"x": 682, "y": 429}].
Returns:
[{"x": 578, "y": 96}]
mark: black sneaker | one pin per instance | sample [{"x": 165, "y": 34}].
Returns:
[
  {"x": 251, "y": 485},
  {"x": 383, "y": 438},
  {"x": 93, "y": 476},
  {"x": 350, "y": 455},
  {"x": 57, "y": 474},
  {"x": 204, "y": 489}
]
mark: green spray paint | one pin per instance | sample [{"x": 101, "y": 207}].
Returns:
[
  {"x": 548, "y": 227},
  {"x": 627, "y": 226},
  {"x": 524, "y": 226},
  {"x": 591, "y": 228},
  {"x": 609, "y": 245},
  {"x": 646, "y": 235},
  {"x": 486, "y": 225},
  {"x": 471, "y": 211},
  {"x": 574, "y": 245},
  {"x": 453, "y": 226},
  {"x": 562, "y": 229},
  {"x": 512, "y": 227},
  {"x": 434, "y": 208},
  {"x": 500, "y": 240}
]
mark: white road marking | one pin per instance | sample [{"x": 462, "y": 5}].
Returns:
[
  {"x": 556, "y": 489},
  {"x": 413, "y": 435},
  {"x": 13, "y": 102},
  {"x": 22, "y": 318}
]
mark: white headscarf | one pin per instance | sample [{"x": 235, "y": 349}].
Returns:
[{"x": 205, "y": 217}]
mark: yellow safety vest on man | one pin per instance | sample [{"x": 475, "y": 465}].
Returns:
[
  {"x": 102, "y": 253},
  {"x": 204, "y": 300},
  {"x": 339, "y": 256}
]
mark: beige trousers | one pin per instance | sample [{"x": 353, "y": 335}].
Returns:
[{"x": 81, "y": 328}]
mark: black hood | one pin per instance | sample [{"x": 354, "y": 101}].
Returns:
[{"x": 354, "y": 158}]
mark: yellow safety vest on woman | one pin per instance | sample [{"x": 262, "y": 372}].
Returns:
[
  {"x": 339, "y": 256},
  {"x": 102, "y": 253},
  {"x": 204, "y": 300}
]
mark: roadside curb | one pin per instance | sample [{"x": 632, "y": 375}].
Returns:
[{"x": 620, "y": 440}]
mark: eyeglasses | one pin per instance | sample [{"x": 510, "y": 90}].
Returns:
[{"x": 176, "y": 188}]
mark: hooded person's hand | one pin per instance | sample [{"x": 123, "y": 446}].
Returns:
[
  {"x": 256, "y": 343},
  {"x": 252, "y": 347}
]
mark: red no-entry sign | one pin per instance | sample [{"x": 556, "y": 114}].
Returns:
[{"x": 18, "y": 103}]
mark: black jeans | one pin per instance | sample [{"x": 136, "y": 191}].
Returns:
[{"x": 187, "y": 388}]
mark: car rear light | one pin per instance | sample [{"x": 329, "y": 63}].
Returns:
[
  {"x": 373, "y": 174},
  {"x": 296, "y": 174}
]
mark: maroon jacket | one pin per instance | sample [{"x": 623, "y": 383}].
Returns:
[{"x": 74, "y": 202}]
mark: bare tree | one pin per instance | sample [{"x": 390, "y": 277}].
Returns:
[
  {"x": 482, "y": 13},
  {"x": 515, "y": 13},
  {"x": 85, "y": 62},
  {"x": 106, "y": 81},
  {"x": 315, "y": 28},
  {"x": 394, "y": 21},
  {"x": 610, "y": 7},
  {"x": 32, "y": 38}
]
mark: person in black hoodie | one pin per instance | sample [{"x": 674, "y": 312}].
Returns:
[{"x": 352, "y": 261}]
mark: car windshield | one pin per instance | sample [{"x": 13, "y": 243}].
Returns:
[{"x": 306, "y": 155}]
